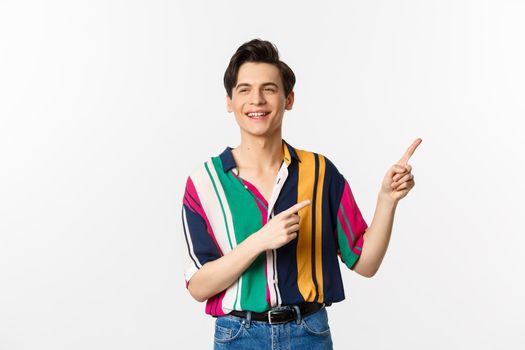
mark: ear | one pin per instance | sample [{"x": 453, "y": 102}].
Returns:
[
  {"x": 229, "y": 104},
  {"x": 289, "y": 100}
]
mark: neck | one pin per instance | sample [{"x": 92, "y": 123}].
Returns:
[{"x": 259, "y": 153}]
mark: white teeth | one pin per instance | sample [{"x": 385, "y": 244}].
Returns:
[{"x": 259, "y": 114}]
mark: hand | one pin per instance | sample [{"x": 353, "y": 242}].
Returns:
[
  {"x": 399, "y": 180},
  {"x": 282, "y": 228}
]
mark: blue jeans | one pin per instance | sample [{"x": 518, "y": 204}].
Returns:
[{"x": 310, "y": 332}]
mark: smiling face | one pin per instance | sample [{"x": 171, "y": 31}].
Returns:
[{"x": 258, "y": 99}]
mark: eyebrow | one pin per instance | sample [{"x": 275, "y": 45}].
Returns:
[{"x": 263, "y": 84}]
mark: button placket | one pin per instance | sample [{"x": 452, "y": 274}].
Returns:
[
  {"x": 281, "y": 177},
  {"x": 272, "y": 254}
]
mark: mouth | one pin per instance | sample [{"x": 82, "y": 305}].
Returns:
[{"x": 257, "y": 114}]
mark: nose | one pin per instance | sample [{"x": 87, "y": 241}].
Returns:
[{"x": 257, "y": 97}]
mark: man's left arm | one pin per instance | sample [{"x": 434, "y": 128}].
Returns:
[{"x": 397, "y": 182}]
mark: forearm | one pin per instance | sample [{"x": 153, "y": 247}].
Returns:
[
  {"x": 215, "y": 276},
  {"x": 376, "y": 238}
]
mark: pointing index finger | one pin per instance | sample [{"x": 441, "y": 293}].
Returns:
[
  {"x": 298, "y": 206},
  {"x": 409, "y": 152}
]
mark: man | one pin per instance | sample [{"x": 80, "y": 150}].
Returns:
[{"x": 265, "y": 223}]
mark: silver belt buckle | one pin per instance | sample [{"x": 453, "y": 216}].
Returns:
[
  {"x": 279, "y": 310},
  {"x": 269, "y": 316}
]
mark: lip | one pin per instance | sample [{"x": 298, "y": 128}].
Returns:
[
  {"x": 257, "y": 111},
  {"x": 259, "y": 118}
]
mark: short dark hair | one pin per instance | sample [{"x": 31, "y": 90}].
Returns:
[{"x": 257, "y": 50}]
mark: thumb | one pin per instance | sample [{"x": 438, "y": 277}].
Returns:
[{"x": 396, "y": 169}]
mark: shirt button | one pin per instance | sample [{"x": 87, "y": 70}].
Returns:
[{"x": 245, "y": 186}]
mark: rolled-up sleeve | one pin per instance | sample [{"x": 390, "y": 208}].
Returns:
[
  {"x": 350, "y": 225},
  {"x": 201, "y": 246}
]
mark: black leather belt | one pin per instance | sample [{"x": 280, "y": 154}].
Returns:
[{"x": 281, "y": 314}]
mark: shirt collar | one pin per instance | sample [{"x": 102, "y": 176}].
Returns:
[{"x": 228, "y": 162}]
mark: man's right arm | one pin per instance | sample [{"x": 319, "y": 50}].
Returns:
[{"x": 217, "y": 275}]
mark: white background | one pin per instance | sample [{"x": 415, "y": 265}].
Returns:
[{"x": 106, "y": 106}]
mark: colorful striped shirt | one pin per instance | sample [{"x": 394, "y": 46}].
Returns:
[{"x": 220, "y": 210}]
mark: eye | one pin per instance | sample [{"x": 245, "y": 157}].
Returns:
[{"x": 270, "y": 89}]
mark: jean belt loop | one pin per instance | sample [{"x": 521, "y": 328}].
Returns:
[
  {"x": 297, "y": 314},
  {"x": 248, "y": 319}
]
